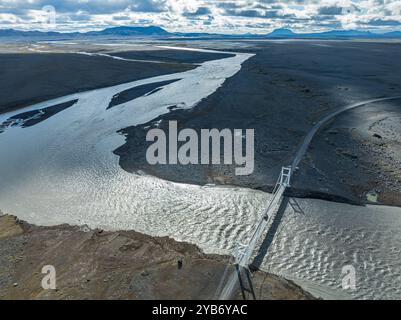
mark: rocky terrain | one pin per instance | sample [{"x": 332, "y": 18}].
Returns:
[{"x": 95, "y": 264}]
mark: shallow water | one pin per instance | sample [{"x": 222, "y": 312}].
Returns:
[
  {"x": 63, "y": 170},
  {"x": 314, "y": 242}
]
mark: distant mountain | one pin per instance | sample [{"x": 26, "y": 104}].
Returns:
[
  {"x": 158, "y": 32},
  {"x": 17, "y": 33},
  {"x": 130, "y": 31},
  {"x": 344, "y": 33},
  {"x": 393, "y": 34},
  {"x": 282, "y": 33},
  {"x": 287, "y": 33},
  {"x": 151, "y": 31}
]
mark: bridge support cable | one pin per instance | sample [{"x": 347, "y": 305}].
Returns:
[{"x": 243, "y": 252}]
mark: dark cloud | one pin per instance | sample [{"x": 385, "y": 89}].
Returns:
[
  {"x": 228, "y": 5},
  {"x": 381, "y": 22},
  {"x": 329, "y": 25},
  {"x": 201, "y": 11},
  {"x": 13, "y": 10},
  {"x": 121, "y": 18},
  {"x": 79, "y": 17},
  {"x": 5, "y": 22},
  {"x": 91, "y": 7},
  {"x": 149, "y": 5},
  {"x": 252, "y": 13},
  {"x": 330, "y": 11},
  {"x": 258, "y": 25}
]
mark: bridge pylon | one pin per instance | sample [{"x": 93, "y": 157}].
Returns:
[{"x": 285, "y": 176}]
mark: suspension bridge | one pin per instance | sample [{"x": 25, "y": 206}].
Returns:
[{"x": 233, "y": 280}]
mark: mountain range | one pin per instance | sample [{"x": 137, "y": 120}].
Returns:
[{"x": 158, "y": 32}]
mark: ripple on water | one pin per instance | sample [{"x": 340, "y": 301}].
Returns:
[{"x": 330, "y": 236}]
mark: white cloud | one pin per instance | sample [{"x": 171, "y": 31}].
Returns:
[{"x": 229, "y": 16}]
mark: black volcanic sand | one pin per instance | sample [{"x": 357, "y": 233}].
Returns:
[
  {"x": 26, "y": 79},
  {"x": 281, "y": 92},
  {"x": 173, "y": 56},
  {"x": 131, "y": 94},
  {"x": 360, "y": 152},
  {"x": 30, "y": 118}
]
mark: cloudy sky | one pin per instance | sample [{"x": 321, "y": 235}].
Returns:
[{"x": 223, "y": 16}]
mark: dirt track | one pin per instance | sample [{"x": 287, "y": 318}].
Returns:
[{"x": 281, "y": 93}]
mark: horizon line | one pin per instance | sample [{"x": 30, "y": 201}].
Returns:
[{"x": 43, "y": 30}]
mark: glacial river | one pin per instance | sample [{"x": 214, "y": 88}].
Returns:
[{"x": 63, "y": 170}]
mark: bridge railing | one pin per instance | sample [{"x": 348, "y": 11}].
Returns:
[{"x": 243, "y": 253}]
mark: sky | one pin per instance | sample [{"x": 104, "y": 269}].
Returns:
[{"x": 219, "y": 16}]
